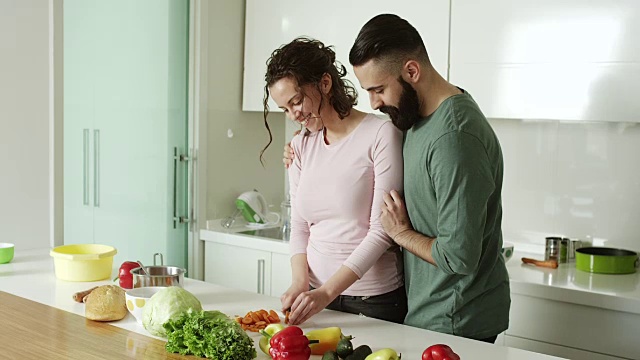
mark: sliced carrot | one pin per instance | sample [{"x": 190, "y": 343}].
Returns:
[
  {"x": 255, "y": 317},
  {"x": 265, "y": 316},
  {"x": 257, "y": 320}
]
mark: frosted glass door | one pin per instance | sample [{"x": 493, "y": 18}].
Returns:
[
  {"x": 138, "y": 76},
  {"x": 78, "y": 123}
]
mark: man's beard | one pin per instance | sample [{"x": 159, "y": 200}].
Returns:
[{"x": 408, "y": 111}]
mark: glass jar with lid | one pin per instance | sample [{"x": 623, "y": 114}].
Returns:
[{"x": 285, "y": 216}]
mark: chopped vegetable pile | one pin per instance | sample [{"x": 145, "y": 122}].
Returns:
[{"x": 208, "y": 334}]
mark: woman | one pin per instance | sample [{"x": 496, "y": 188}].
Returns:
[{"x": 346, "y": 160}]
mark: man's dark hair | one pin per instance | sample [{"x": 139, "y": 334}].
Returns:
[
  {"x": 390, "y": 39},
  {"x": 306, "y": 61}
]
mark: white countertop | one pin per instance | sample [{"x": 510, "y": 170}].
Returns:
[
  {"x": 567, "y": 284},
  {"x": 31, "y": 275}
]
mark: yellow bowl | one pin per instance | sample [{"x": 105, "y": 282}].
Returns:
[{"x": 83, "y": 262}]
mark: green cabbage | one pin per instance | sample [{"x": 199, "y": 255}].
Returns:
[
  {"x": 168, "y": 303},
  {"x": 209, "y": 334}
]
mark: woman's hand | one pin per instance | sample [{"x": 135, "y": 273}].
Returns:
[
  {"x": 308, "y": 304},
  {"x": 291, "y": 294}
]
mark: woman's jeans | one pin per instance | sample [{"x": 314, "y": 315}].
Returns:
[{"x": 391, "y": 306}]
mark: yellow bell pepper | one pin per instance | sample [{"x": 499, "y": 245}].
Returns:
[
  {"x": 328, "y": 339},
  {"x": 267, "y": 333},
  {"x": 384, "y": 354}
]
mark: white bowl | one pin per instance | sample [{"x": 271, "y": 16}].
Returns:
[
  {"x": 137, "y": 298},
  {"x": 507, "y": 251}
]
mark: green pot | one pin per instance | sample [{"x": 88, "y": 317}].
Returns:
[
  {"x": 606, "y": 260},
  {"x": 6, "y": 252}
]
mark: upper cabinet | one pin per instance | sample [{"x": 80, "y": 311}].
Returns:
[
  {"x": 270, "y": 24},
  {"x": 546, "y": 59}
]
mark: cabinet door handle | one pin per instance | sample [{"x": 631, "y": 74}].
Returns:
[
  {"x": 177, "y": 158},
  {"x": 175, "y": 186},
  {"x": 85, "y": 166},
  {"x": 261, "y": 276},
  {"x": 96, "y": 168}
]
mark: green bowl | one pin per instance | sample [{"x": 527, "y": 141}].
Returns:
[
  {"x": 6, "y": 252},
  {"x": 604, "y": 260}
]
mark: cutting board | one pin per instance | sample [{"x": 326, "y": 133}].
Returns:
[{"x": 30, "y": 330}]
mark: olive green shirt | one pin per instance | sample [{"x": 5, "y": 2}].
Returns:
[{"x": 452, "y": 181}]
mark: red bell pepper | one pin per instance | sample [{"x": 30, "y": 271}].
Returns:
[
  {"x": 439, "y": 352},
  {"x": 124, "y": 274},
  {"x": 290, "y": 344}
]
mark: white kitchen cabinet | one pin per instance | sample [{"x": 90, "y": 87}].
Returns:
[
  {"x": 556, "y": 350},
  {"x": 270, "y": 24},
  {"x": 248, "y": 262},
  {"x": 280, "y": 273},
  {"x": 238, "y": 267},
  {"x": 125, "y": 122},
  {"x": 567, "y": 329},
  {"x": 546, "y": 59}
]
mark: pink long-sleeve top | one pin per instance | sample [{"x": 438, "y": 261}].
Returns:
[{"x": 336, "y": 197}]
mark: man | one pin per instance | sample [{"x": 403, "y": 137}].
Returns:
[{"x": 450, "y": 227}]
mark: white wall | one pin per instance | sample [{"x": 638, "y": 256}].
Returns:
[
  {"x": 232, "y": 163},
  {"x": 577, "y": 179},
  {"x": 24, "y": 123}
]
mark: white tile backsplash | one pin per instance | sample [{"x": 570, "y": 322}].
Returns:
[{"x": 576, "y": 179}]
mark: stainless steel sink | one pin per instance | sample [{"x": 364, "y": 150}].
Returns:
[{"x": 271, "y": 233}]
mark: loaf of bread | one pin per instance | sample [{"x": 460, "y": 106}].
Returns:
[{"x": 106, "y": 303}]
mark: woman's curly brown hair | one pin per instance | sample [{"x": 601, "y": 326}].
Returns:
[{"x": 306, "y": 61}]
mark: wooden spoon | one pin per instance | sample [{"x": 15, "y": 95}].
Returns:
[{"x": 553, "y": 264}]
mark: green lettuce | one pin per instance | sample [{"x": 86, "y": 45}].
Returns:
[
  {"x": 209, "y": 334},
  {"x": 167, "y": 304}
]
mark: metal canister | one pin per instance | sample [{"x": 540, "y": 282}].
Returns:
[
  {"x": 574, "y": 244},
  {"x": 564, "y": 251},
  {"x": 552, "y": 249}
]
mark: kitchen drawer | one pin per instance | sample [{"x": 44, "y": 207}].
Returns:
[
  {"x": 575, "y": 326},
  {"x": 555, "y": 350}
]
